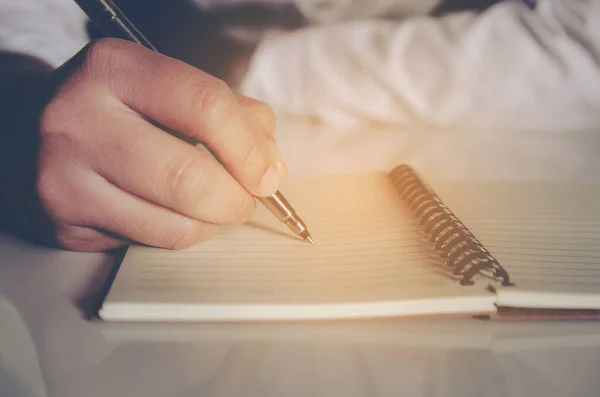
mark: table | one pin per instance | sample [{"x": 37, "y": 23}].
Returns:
[{"x": 48, "y": 349}]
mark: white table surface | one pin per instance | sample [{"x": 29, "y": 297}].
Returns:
[{"x": 48, "y": 349}]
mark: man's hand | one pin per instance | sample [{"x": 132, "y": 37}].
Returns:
[{"x": 107, "y": 175}]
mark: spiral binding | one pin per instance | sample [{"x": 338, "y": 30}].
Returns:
[{"x": 451, "y": 239}]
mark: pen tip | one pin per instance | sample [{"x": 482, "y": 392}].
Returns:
[{"x": 309, "y": 239}]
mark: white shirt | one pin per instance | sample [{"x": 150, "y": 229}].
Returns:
[{"x": 510, "y": 66}]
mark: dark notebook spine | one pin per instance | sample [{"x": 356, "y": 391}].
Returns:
[{"x": 452, "y": 240}]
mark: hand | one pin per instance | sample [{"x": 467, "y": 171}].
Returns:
[{"x": 107, "y": 175}]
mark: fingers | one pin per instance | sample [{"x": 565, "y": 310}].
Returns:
[
  {"x": 143, "y": 160},
  {"x": 260, "y": 113},
  {"x": 123, "y": 214},
  {"x": 93, "y": 214},
  {"x": 262, "y": 118},
  {"x": 194, "y": 103},
  {"x": 107, "y": 175}
]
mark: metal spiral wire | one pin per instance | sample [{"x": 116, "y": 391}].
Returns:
[{"x": 451, "y": 239}]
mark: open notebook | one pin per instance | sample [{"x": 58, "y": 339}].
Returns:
[{"x": 386, "y": 245}]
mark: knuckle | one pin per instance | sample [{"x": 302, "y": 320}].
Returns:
[
  {"x": 261, "y": 106},
  {"x": 265, "y": 114},
  {"x": 212, "y": 100},
  {"x": 56, "y": 196},
  {"x": 66, "y": 238},
  {"x": 186, "y": 233},
  {"x": 186, "y": 183},
  {"x": 55, "y": 117},
  {"x": 244, "y": 210},
  {"x": 100, "y": 54},
  {"x": 254, "y": 157},
  {"x": 103, "y": 60},
  {"x": 49, "y": 196},
  {"x": 74, "y": 238}
]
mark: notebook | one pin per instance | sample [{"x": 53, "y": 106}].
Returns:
[{"x": 387, "y": 245}]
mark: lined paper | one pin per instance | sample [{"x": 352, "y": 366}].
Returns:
[
  {"x": 371, "y": 258},
  {"x": 546, "y": 235},
  {"x": 368, "y": 248}
]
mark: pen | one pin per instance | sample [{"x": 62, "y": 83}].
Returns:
[{"x": 112, "y": 20}]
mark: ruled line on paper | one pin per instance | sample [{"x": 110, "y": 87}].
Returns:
[
  {"x": 541, "y": 233},
  {"x": 363, "y": 244}
]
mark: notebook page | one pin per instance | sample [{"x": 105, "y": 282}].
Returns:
[
  {"x": 546, "y": 235},
  {"x": 367, "y": 249}
]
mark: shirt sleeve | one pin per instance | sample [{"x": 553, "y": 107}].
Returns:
[
  {"x": 50, "y": 30},
  {"x": 510, "y": 66}
]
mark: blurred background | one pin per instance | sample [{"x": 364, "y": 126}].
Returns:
[{"x": 214, "y": 34}]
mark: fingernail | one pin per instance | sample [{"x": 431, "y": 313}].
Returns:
[
  {"x": 281, "y": 169},
  {"x": 278, "y": 158},
  {"x": 270, "y": 182}
]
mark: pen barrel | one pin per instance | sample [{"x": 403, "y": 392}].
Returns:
[
  {"x": 278, "y": 206},
  {"x": 283, "y": 211},
  {"x": 109, "y": 17}
]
